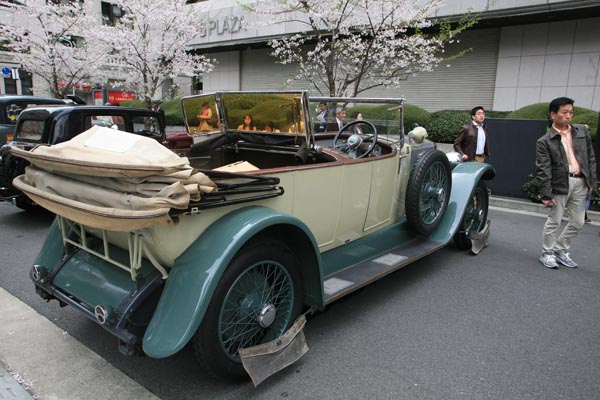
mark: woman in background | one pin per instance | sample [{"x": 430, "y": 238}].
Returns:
[
  {"x": 204, "y": 117},
  {"x": 247, "y": 125}
]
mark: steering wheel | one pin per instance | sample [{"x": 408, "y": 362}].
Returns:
[{"x": 355, "y": 140}]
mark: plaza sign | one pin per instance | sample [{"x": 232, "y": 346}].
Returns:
[{"x": 221, "y": 26}]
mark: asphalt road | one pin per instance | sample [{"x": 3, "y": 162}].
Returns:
[{"x": 451, "y": 326}]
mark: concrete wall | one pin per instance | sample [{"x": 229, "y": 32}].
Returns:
[
  {"x": 537, "y": 63},
  {"x": 226, "y": 74}
]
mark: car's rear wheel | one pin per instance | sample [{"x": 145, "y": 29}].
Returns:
[
  {"x": 428, "y": 192},
  {"x": 256, "y": 301},
  {"x": 474, "y": 218}
]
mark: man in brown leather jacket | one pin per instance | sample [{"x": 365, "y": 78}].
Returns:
[
  {"x": 566, "y": 168},
  {"x": 471, "y": 141}
]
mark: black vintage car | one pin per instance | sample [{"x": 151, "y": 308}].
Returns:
[
  {"x": 10, "y": 108},
  {"x": 56, "y": 124}
]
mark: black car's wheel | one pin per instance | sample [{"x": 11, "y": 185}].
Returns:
[
  {"x": 25, "y": 204},
  {"x": 474, "y": 218},
  {"x": 256, "y": 301},
  {"x": 428, "y": 192}
]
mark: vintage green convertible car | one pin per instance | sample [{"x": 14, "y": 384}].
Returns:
[{"x": 264, "y": 221}]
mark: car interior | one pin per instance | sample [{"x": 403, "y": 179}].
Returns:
[{"x": 271, "y": 130}]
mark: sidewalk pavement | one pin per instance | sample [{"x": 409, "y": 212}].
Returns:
[
  {"x": 55, "y": 366},
  {"x": 51, "y": 363}
]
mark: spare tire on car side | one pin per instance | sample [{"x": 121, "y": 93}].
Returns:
[{"x": 428, "y": 192}]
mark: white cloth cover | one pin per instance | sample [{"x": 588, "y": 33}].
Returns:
[{"x": 105, "y": 174}]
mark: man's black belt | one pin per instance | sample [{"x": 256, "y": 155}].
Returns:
[{"x": 575, "y": 175}]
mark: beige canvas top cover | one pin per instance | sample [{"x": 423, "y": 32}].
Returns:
[{"x": 111, "y": 180}]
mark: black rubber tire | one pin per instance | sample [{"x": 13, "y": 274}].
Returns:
[
  {"x": 470, "y": 221},
  {"x": 25, "y": 204},
  {"x": 433, "y": 162},
  {"x": 207, "y": 343}
]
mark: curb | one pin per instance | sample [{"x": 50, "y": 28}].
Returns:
[
  {"x": 52, "y": 364},
  {"x": 10, "y": 388},
  {"x": 529, "y": 206}
]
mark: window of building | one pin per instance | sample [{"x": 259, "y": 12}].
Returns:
[
  {"x": 26, "y": 82},
  {"x": 197, "y": 84},
  {"x": 70, "y": 40},
  {"x": 10, "y": 86},
  {"x": 111, "y": 13}
]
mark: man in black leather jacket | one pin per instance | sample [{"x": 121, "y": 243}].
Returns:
[
  {"x": 566, "y": 168},
  {"x": 471, "y": 141}
]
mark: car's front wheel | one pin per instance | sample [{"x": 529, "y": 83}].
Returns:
[
  {"x": 256, "y": 301},
  {"x": 474, "y": 218},
  {"x": 428, "y": 192}
]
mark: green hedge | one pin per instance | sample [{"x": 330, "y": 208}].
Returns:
[
  {"x": 172, "y": 109},
  {"x": 444, "y": 124},
  {"x": 581, "y": 115}
]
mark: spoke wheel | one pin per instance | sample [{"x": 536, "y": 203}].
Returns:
[
  {"x": 474, "y": 218},
  {"x": 428, "y": 192},
  {"x": 257, "y": 308},
  {"x": 256, "y": 301}
]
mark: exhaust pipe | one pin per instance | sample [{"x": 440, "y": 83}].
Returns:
[
  {"x": 39, "y": 273},
  {"x": 103, "y": 313}
]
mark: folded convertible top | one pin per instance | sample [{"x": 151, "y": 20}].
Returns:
[{"x": 112, "y": 180}]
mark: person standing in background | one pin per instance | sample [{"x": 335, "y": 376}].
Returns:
[
  {"x": 339, "y": 122},
  {"x": 321, "y": 117},
  {"x": 471, "y": 141},
  {"x": 566, "y": 168},
  {"x": 156, "y": 107}
]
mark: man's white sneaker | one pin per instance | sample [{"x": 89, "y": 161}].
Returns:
[
  {"x": 548, "y": 260},
  {"x": 566, "y": 260}
]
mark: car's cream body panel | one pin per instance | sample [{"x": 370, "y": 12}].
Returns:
[{"x": 340, "y": 203}]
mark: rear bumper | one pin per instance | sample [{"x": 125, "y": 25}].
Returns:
[{"x": 90, "y": 285}]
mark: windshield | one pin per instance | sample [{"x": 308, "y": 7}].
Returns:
[
  {"x": 264, "y": 114},
  {"x": 329, "y": 114}
]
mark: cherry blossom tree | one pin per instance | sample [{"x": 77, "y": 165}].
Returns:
[
  {"x": 350, "y": 46},
  {"x": 147, "y": 45},
  {"x": 47, "y": 39}
]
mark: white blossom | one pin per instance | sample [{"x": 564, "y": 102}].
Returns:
[
  {"x": 350, "y": 46},
  {"x": 148, "y": 46},
  {"x": 47, "y": 39}
]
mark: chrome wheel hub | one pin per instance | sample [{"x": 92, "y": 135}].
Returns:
[
  {"x": 267, "y": 315},
  {"x": 440, "y": 195}
]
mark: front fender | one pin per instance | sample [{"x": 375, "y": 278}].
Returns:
[
  {"x": 196, "y": 273},
  {"x": 464, "y": 179}
]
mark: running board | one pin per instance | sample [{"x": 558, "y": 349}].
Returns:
[{"x": 363, "y": 273}]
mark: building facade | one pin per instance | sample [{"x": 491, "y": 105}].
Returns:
[{"x": 521, "y": 52}]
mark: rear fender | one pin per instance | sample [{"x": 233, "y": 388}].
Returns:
[
  {"x": 196, "y": 273},
  {"x": 464, "y": 179},
  {"x": 52, "y": 250}
]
